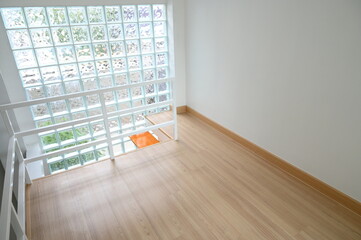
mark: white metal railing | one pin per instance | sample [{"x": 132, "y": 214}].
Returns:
[{"x": 16, "y": 218}]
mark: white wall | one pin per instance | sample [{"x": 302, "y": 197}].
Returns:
[{"x": 286, "y": 75}]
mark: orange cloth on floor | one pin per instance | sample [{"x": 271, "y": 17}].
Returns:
[{"x": 143, "y": 139}]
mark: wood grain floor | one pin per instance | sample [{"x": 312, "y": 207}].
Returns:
[{"x": 204, "y": 186}]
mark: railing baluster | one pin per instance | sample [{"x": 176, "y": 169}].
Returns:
[{"x": 106, "y": 123}]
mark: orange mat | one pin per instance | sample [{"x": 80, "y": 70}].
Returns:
[{"x": 143, "y": 139}]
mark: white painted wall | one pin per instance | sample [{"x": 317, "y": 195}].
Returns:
[{"x": 286, "y": 75}]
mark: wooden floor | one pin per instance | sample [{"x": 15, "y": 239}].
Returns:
[{"x": 204, "y": 186}]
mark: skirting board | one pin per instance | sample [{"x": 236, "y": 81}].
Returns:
[{"x": 306, "y": 178}]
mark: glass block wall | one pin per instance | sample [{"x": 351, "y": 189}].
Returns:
[{"x": 64, "y": 50}]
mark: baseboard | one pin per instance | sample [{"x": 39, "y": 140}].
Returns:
[
  {"x": 308, "y": 179},
  {"x": 181, "y": 109}
]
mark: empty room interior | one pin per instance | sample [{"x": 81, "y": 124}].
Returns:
[{"x": 180, "y": 119}]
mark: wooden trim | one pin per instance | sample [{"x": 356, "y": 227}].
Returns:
[
  {"x": 306, "y": 178},
  {"x": 181, "y": 109},
  {"x": 27, "y": 211}
]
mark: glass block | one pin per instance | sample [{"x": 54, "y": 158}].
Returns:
[
  {"x": 112, "y": 14},
  {"x": 149, "y": 89},
  {"x": 61, "y": 119},
  {"x": 95, "y": 15},
  {"x": 111, "y": 108},
  {"x": 160, "y": 29},
  {"x": 88, "y": 157},
  {"x": 144, "y": 13},
  {"x": 44, "y": 123},
  {"x": 132, "y": 47},
  {"x": 129, "y": 13},
  {"x": 98, "y": 33},
  {"x": 94, "y": 112},
  {"x": 19, "y": 39},
  {"x": 161, "y": 44},
  {"x": 90, "y": 84},
  {"x": 162, "y": 59},
  {"x": 57, "y": 16},
  {"x": 87, "y": 69},
  {"x": 30, "y": 77},
  {"x": 59, "y": 107},
  {"x": 50, "y": 74},
  {"x": 135, "y": 77},
  {"x": 163, "y": 98},
  {"x": 103, "y": 67},
  {"x": 145, "y": 30},
  {"x": 61, "y": 35},
  {"x": 148, "y": 61},
  {"x": 124, "y": 105},
  {"x": 159, "y": 12},
  {"x": 146, "y": 45},
  {"x": 46, "y": 56},
  {"x": 72, "y": 87},
  {"x": 41, "y": 37},
  {"x": 13, "y": 18},
  {"x": 82, "y": 132},
  {"x": 66, "y": 135},
  {"x": 36, "y": 16},
  {"x": 122, "y": 94},
  {"x": 131, "y": 30},
  {"x": 101, "y": 50},
  {"x": 134, "y": 63},
  {"x": 97, "y": 128},
  {"x": 76, "y": 103},
  {"x": 49, "y": 139},
  {"x": 35, "y": 92},
  {"x": 77, "y": 15},
  {"x": 66, "y": 54},
  {"x": 69, "y": 72},
  {"x": 56, "y": 166},
  {"x": 129, "y": 146},
  {"x": 117, "y": 49},
  {"x": 84, "y": 52},
  {"x": 54, "y": 90},
  {"x": 126, "y": 121},
  {"x": 102, "y": 153},
  {"x": 80, "y": 34},
  {"x": 40, "y": 111},
  {"x": 73, "y": 162},
  {"x": 25, "y": 58},
  {"x": 137, "y": 92},
  {"x": 109, "y": 97},
  {"x": 162, "y": 73},
  {"x": 113, "y": 124},
  {"x": 162, "y": 87},
  {"x": 79, "y": 115},
  {"x": 139, "y": 118},
  {"x": 120, "y": 79},
  {"x": 115, "y": 32},
  {"x": 106, "y": 81},
  {"x": 119, "y": 65},
  {"x": 149, "y": 75},
  {"x": 93, "y": 100}
]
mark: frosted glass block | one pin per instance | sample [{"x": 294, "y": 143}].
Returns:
[
  {"x": 88, "y": 157},
  {"x": 80, "y": 34},
  {"x": 57, "y": 16},
  {"x": 119, "y": 65},
  {"x": 84, "y": 52},
  {"x": 49, "y": 139},
  {"x": 61, "y": 119},
  {"x": 97, "y": 128},
  {"x": 149, "y": 89},
  {"x": 73, "y": 162},
  {"x": 101, "y": 50},
  {"x": 144, "y": 13},
  {"x": 41, "y": 37},
  {"x": 109, "y": 97},
  {"x": 66, "y": 54},
  {"x": 98, "y": 33},
  {"x": 146, "y": 46},
  {"x": 36, "y": 16},
  {"x": 137, "y": 92},
  {"x": 162, "y": 59},
  {"x": 161, "y": 44},
  {"x": 44, "y": 123},
  {"x": 159, "y": 12},
  {"x": 35, "y": 92},
  {"x": 162, "y": 73},
  {"x": 69, "y": 72},
  {"x": 131, "y": 30},
  {"x": 129, "y": 13},
  {"x": 50, "y": 74},
  {"x": 82, "y": 132},
  {"x": 122, "y": 94},
  {"x": 129, "y": 146},
  {"x": 13, "y": 18},
  {"x": 112, "y": 14},
  {"x": 56, "y": 166},
  {"x": 163, "y": 98},
  {"x": 77, "y": 15},
  {"x": 134, "y": 63},
  {"x": 87, "y": 69},
  {"x": 95, "y": 15},
  {"x": 124, "y": 105},
  {"x": 126, "y": 121},
  {"x": 111, "y": 108},
  {"x": 66, "y": 135},
  {"x": 135, "y": 77},
  {"x": 139, "y": 118},
  {"x": 46, "y": 56},
  {"x": 102, "y": 153},
  {"x": 117, "y": 49},
  {"x": 54, "y": 90},
  {"x": 90, "y": 84},
  {"x": 59, "y": 107},
  {"x": 133, "y": 47},
  {"x": 25, "y": 59},
  {"x": 61, "y": 35},
  {"x": 72, "y": 87},
  {"x": 148, "y": 61},
  {"x": 93, "y": 100},
  {"x": 79, "y": 115},
  {"x": 145, "y": 30},
  {"x": 106, "y": 81},
  {"x": 40, "y": 111},
  {"x": 103, "y": 67},
  {"x": 115, "y": 32},
  {"x": 160, "y": 29},
  {"x": 120, "y": 79},
  {"x": 149, "y": 75},
  {"x": 30, "y": 77},
  {"x": 76, "y": 103},
  {"x": 113, "y": 124},
  {"x": 94, "y": 112},
  {"x": 162, "y": 87},
  {"x": 19, "y": 39}
]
